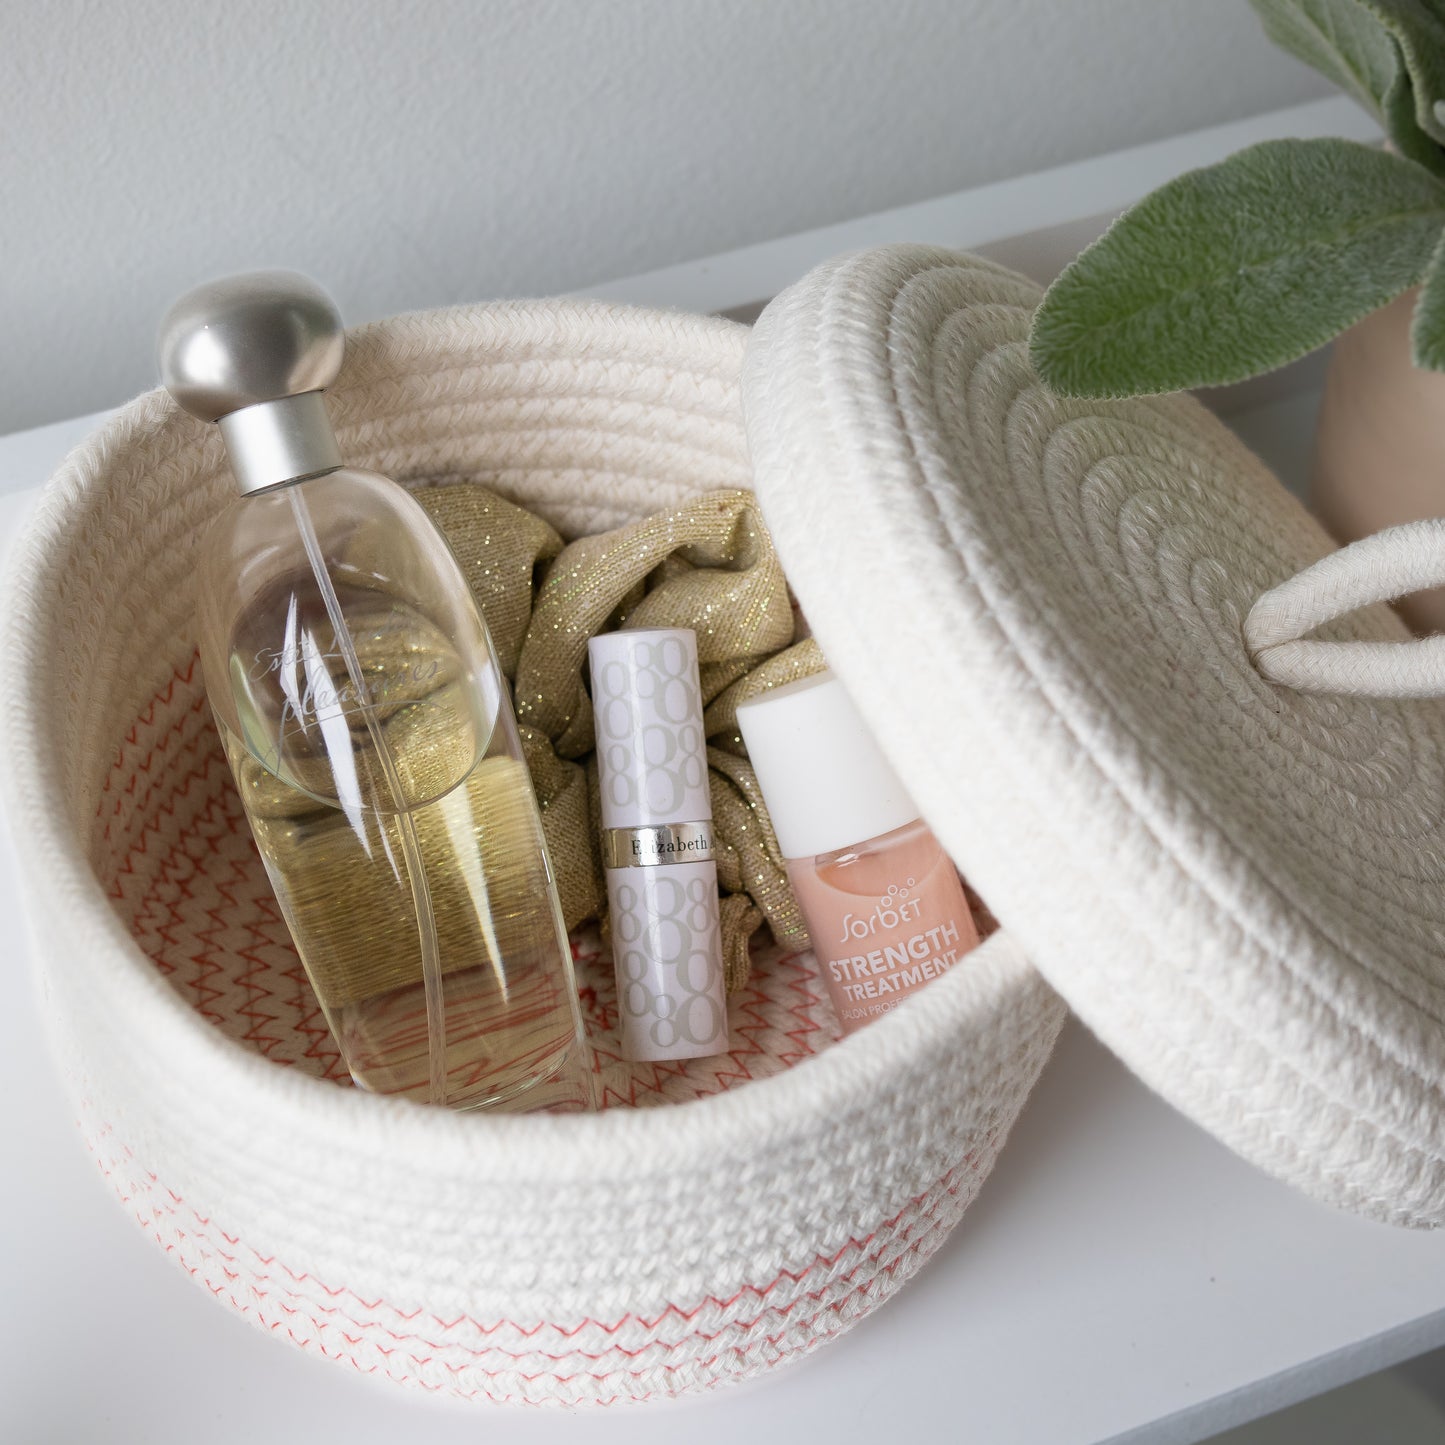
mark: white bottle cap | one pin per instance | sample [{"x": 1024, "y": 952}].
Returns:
[
  {"x": 651, "y": 752},
  {"x": 825, "y": 781}
]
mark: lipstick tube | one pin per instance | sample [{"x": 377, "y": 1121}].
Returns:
[{"x": 657, "y": 845}]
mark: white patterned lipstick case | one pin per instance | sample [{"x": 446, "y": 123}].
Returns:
[{"x": 657, "y": 844}]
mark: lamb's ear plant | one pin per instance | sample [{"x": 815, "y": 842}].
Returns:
[{"x": 1238, "y": 268}]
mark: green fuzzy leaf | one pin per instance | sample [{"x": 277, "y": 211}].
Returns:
[
  {"x": 1350, "y": 43},
  {"x": 1238, "y": 268},
  {"x": 1427, "y": 325},
  {"x": 1405, "y": 134},
  {"x": 1340, "y": 39},
  {"x": 1418, "y": 28}
]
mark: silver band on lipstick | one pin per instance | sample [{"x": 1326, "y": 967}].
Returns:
[{"x": 656, "y": 845}]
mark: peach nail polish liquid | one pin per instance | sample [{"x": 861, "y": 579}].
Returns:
[{"x": 884, "y": 906}]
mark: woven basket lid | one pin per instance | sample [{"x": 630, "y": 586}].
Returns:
[{"x": 1037, "y": 605}]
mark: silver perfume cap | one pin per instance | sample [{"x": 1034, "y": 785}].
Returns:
[{"x": 254, "y": 353}]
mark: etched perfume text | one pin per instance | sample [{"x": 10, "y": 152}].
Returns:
[{"x": 326, "y": 697}]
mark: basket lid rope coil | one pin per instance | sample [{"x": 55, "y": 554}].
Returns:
[{"x": 1039, "y": 606}]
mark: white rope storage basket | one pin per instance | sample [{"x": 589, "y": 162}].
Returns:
[{"x": 641, "y": 1252}]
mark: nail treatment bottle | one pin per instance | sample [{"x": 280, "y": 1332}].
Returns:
[
  {"x": 883, "y": 904},
  {"x": 657, "y": 846},
  {"x": 369, "y": 729}
]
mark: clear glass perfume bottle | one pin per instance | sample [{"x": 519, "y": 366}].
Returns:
[{"x": 368, "y": 726}]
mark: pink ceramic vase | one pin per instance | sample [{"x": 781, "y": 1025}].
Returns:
[{"x": 1380, "y": 446}]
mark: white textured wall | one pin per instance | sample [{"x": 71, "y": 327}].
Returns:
[{"x": 412, "y": 154}]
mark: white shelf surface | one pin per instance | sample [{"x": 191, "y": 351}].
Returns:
[{"x": 1122, "y": 1276}]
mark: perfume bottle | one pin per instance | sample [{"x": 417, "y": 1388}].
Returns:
[
  {"x": 884, "y": 905},
  {"x": 369, "y": 729}
]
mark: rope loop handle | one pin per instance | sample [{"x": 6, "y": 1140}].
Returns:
[{"x": 1379, "y": 568}]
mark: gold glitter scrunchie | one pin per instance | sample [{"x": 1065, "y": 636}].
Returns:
[{"x": 708, "y": 565}]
